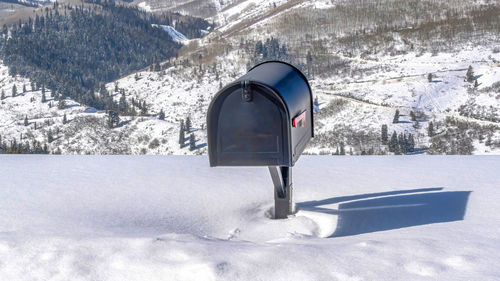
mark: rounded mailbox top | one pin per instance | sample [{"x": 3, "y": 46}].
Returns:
[{"x": 286, "y": 80}]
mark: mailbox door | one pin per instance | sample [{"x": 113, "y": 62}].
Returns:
[{"x": 248, "y": 133}]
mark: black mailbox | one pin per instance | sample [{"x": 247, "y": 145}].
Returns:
[{"x": 264, "y": 118}]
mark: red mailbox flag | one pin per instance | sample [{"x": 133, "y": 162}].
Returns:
[{"x": 300, "y": 120}]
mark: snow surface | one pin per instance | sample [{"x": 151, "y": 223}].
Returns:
[
  {"x": 175, "y": 218},
  {"x": 176, "y": 35}
]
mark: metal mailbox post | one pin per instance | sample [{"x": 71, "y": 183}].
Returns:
[{"x": 264, "y": 118}]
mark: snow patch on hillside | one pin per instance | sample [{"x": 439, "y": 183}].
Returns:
[
  {"x": 176, "y": 35},
  {"x": 144, "y": 6}
]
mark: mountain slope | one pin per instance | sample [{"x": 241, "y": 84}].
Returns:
[{"x": 364, "y": 62}]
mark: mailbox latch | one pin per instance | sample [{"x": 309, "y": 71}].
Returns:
[{"x": 246, "y": 93}]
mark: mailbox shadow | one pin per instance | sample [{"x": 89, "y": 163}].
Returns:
[{"x": 393, "y": 210}]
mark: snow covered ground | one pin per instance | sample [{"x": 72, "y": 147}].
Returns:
[{"x": 175, "y": 218}]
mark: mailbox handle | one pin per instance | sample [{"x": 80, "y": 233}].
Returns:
[{"x": 246, "y": 93}]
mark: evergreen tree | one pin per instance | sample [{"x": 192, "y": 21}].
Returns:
[
  {"x": 113, "y": 119},
  {"x": 429, "y": 77},
  {"x": 476, "y": 84},
  {"x": 122, "y": 103},
  {"x": 181, "y": 135},
  {"x": 50, "y": 137},
  {"x": 144, "y": 109},
  {"x": 402, "y": 143},
  {"x": 61, "y": 104},
  {"x": 411, "y": 143},
  {"x": 188, "y": 124},
  {"x": 161, "y": 116},
  {"x": 44, "y": 98},
  {"x": 412, "y": 116},
  {"x": 385, "y": 136},
  {"x": 24, "y": 88},
  {"x": 469, "y": 76},
  {"x": 396, "y": 117},
  {"x": 14, "y": 90},
  {"x": 342, "y": 148},
  {"x": 393, "y": 144},
  {"x": 26, "y": 123},
  {"x": 337, "y": 151},
  {"x": 192, "y": 142},
  {"x": 65, "y": 120},
  {"x": 2, "y": 96},
  {"x": 430, "y": 129}
]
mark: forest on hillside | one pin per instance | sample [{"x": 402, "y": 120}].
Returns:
[{"x": 73, "y": 50}]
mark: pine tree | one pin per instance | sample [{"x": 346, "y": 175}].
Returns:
[
  {"x": 342, "y": 149},
  {"x": 50, "y": 137},
  {"x": 411, "y": 143},
  {"x": 61, "y": 104},
  {"x": 24, "y": 88},
  {"x": 26, "y": 123},
  {"x": 469, "y": 76},
  {"x": 429, "y": 77},
  {"x": 14, "y": 91},
  {"x": 188, "y": 124},
  {"x": 65, "y": 120},
  {"x": 44, "y": 98},
  {"x": 385, "y": 136},
  {"x": 476, "y": 84},
  {"x": 337, "y": 151},
  {"x": 144, "y": 109},
  {"x": 161, "y": 116},
  {"x": 192, "y": 142},
  {"x": 430, "y": 129},
  {"x": 412, "y": 116},
  {"x": 113, "y": 119},
  {"x": 181, "y": 135},
  {"x": 396, "y": 117},
  {"x": 402, "y": 143},
  {"x": 2, "y": 96},
  {"x": 393, "y": 144}
]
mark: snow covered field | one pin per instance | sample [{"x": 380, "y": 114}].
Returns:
[{"x": 175, "y": 218}]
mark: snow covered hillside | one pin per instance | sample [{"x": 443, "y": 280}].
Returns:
[
  {"x": 174, "y": 218},
  {"x": 365, "y": 61}
]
